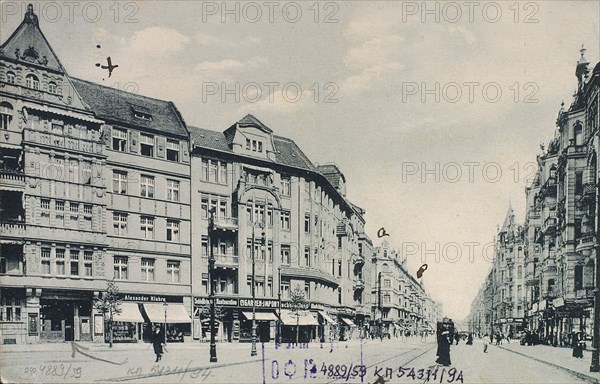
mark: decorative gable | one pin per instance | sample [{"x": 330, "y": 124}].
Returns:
[{"x": 249, "y": 136}]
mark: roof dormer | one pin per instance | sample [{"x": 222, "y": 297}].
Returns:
[{"x": 249, "y": 136}]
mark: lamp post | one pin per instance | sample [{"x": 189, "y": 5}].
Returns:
[
  {"x": 165, "y": 306},
  {"x": 279, "y": 306},
  {"x": 595, "y": 364},
  {"x": 211, "y": 271},
  {"x": 253, "y": 350},
  {"x": 379, "y": 306}
]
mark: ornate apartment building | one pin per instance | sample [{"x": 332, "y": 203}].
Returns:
[
  {"x": 560, "y": 234},
  {"x": 99, "y": 184}
]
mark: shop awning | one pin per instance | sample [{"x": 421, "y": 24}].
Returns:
[
  {"x": 261, "y": 316},
  {"x": 130, "y": 313},
  {"x": 176, "y": 313},
  {"x": 348, "y": 322},
  {"x": 327, "y": 317},
  {"x": 303, "y": 318}
]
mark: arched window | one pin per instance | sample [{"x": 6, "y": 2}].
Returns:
[
  {"x": 32, "y": 81},
  {"x": 52, "y": 87},
  {"x": 385, "y": 267},
  {"x": 10, "y": 77},
  {"x": 6, "y": 115}
]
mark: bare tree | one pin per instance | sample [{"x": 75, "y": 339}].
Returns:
[
  {"x": 298, "y": 302},
  {"x": 109, "y": 303}
]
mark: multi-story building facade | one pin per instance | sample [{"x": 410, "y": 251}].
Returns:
[
  {"x": 400, "y": 305},
  {"x": 272, "y": 205},
  {"x": 561, "y": 223},
  {"x": 52, "y": 192},
  {"x": 100, "y": 184}
]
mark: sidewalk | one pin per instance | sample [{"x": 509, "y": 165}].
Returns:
[{"x": 557, "y": 357}]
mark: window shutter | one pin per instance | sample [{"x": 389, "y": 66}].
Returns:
[
  {"x": 134, "y": 141},
  {"x": 185, "y": 155},
  {"x": 161, "y": 143}
]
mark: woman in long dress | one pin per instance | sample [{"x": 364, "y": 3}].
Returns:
[{"x": 443, "y": 354}]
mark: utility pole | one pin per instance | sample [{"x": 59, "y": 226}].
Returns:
[
  {"x": 211, "y": 272},
  {"x": 595, "y": 364}
]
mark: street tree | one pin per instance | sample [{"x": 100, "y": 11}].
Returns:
[
  {"x": 109, "y": 302},
  {"x": 298, "y": 302}
]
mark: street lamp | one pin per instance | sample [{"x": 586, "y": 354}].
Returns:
[
  {"x": 279, "y": 306},
  {"x": 379, "y": 306},
  {"x": 595, "y": 364},
  {"x": 165, "y": 306},
  {"x": 211, "y": 272},
  {"x": 253, "y": 350}
]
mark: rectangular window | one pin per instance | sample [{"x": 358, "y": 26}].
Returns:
[
  {"x": 173, "y": 271},
  {"x": 285, "y": 255},
  {"x": 46, "y": 261},
  {"x": 120, "y": 267},
  {"x": 204, "y": 207},
  {"x": 286, "y": 186},
  {"x": 119, "y": 223},
  {"x": 74, "y": 261},
  {"x": 284, "y": 218},
  {"x": 147, "y": 269},
  {"x": 45, "y": 204},
  {"x": 59, "y": 206},
  {"x": 73, "y": 207},
  {"x": 172, "y": 150},
  {"x": 88, "y": 259},
  {"x": 204, "y": 170},
  {"x": 578, "y": 277},
  {"x": 212, "y": 171},
  {"x": 204, "y": 246},
  {"x": 87, "y": 209},
  {"x": 222, "y": 208},
  {"x": 173, "y": 230},
  {"x": 307, "y": 257},
  {"x": 60, "y": 261},
  {"x": 119, "y": 139},
  {"x": 248, "y": 145},
  {"x": 119, "y": 182},
  {"x": 147, "y": 145},
  {"x": 222, "y": 172},
  {"x": 307, "y": 223},
  {"x": 10, "y": 308},
  {"x": 285, "y": 290},
  {"x": 205, "y": 283},
  {"x": 147, "y": 186},
  {"x": 147, "y": 227},
  {"x": 172, "y": 190}
]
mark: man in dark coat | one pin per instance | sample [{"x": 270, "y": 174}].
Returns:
[
  {"x": 577, "y": 345},
  {"x": 444, "y": 342},
  {"x": 158, "y": 341}
]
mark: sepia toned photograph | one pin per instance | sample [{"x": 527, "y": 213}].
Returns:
[{"x": 361, "y": 192}]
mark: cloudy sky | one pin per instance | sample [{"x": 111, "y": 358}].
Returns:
[{"x": 387, "y": 91}]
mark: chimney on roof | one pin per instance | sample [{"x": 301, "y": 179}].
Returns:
[{"x": 30, "y": 17}]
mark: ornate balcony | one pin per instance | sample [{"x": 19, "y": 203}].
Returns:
[
  {"x": 12, "y": 180},
  {"x": 227, "y": 261},
  {"x": 549, "y": 224},
  {"x": 13, "y": 228},
  {"x": 587, "y": 241},
  {"x": 226, "y": 223}
]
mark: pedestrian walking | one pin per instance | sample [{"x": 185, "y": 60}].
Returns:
[
  {"x": 158, "y": 342},
  {"x": 491, "y": 337},
  {"x": 470, "y": 339},
  {"x": 577, "y": 345},
  {"x": 444, "y": 342},
  {"x": 456, "y": 337}
]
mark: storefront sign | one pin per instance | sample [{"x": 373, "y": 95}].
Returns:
[
  {"x": 151, "y": 298},
  {"x": 247, "y": 303}
]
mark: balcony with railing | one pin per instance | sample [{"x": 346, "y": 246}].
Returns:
[
  {"x": 226, "y": 223},
  {"x": 227, "y": 261},
  {"x": 585, "y": 242},
  {"x": 12, "y": 180},
  {"x": 13, "y": 228},
  {"x": 549, "y": 223},
  {"x": 61, "y": 141}
]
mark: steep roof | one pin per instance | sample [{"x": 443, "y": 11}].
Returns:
[
  {"x": 27, "y": 43},
  {"x": 509, "y": 220},
  {"x": 332, "y": 173},
  {"x": 287, "y": 151},
  {"x": 121, "y": 106}
]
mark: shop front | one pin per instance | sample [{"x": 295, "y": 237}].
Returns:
[
  {"x": 140, "y": 313},
  {"x": 298, "y": 324},
  {"x": 66, "y": 315}
]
